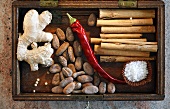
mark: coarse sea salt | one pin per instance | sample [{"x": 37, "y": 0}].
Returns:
[{"x": 136, "y": 71}]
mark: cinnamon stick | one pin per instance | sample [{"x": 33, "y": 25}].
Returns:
[
  {"x": 123, "y": 58},
  {"x": 99, "y": 40},
  {"x": 125, "y": 22},
  {"x": 126, "y": 13},
  {"x": 95, "y": 40},
  {"x": 133, "y": 29},
  {"x": 111, "y": 46},
  {"x": 100, "y": 51},
  {"x": 114, "y": 22},
  {"x": 132, "y": 41},
  {"x": 125, "y": 36}
]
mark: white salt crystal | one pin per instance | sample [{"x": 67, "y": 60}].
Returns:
[{"x": 136, "y": 71}]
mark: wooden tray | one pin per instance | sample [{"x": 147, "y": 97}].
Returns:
[{"x": 23, "y": 78}]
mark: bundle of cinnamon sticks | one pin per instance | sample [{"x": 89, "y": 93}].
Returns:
[{"x": 121, "y": 35}]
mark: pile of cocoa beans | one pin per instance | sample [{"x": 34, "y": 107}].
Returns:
[{"x": 72, "y": 73}]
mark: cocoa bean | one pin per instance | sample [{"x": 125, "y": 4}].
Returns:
[
  {"x": 71, "y": 54},
  {"x": 72, "y": 67},
  {"x": 55, "y": 68},
  {"x": 61, "y": 76},
  {"x": 77, "y": 91},
  {"x": 96, "y": 79},
  {"x": 77, "y": 85},
  {"x": 77, "y": 48},
  {"x": 62, "y": 48},
  {"x": 67, "y": 71},
  {"x": 92, "y": 19},
  {"x": 63, "y": 61},
  {"x": 69, "y": 88},
  {"x": 66, "y": 81},
  {"x": 102, "y": 88},
  {"x": 56, "y": 79},
  {"x": 88, "y": 68},
  {"x": 69, "y": 34},
  {"x": 87, "y": 84},
  {"x": 65, "y": 54},
  {"x": 55, "y": 42},
  {"x": 84, "y": 78},
  {"x": 76, "y": 74},
  {"x": 78, "y": 63},
  {"x": 60, "y": 33},
  {"x": 90, "y": 90},
  {"x": 57, "y": 89},
  {"x": 111, "y": 88}
]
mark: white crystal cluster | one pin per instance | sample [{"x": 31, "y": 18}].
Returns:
[{"x": 136, "y": 71}]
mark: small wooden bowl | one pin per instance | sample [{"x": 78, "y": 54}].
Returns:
[{"x": 142, "y": 82}]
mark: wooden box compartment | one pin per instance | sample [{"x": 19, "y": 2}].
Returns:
[{"x": 24, "y": 79}]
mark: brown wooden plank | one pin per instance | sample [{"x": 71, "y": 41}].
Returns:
[{"x": 25, "y": 79}]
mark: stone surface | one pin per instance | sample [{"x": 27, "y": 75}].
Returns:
[{"x": 6, "y": 101}]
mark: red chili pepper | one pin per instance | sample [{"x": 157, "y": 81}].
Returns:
[{"x": 77, "y": 27}]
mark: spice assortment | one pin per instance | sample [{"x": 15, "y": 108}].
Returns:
[
  {"x": 75, "y": 74},
  {"x": 121, "y": 38},
  {"x": 117, "y": 36},
  {"x": 72, "y": 73},
  {"x": 87, "y": 50}
]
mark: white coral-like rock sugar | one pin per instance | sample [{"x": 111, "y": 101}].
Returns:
[{"x": 136, "y": 71}]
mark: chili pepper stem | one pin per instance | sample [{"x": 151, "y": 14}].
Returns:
[{"x": 72, "y": 20}]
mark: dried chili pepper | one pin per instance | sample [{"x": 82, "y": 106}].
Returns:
[{"x": 77, "y": 27}]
